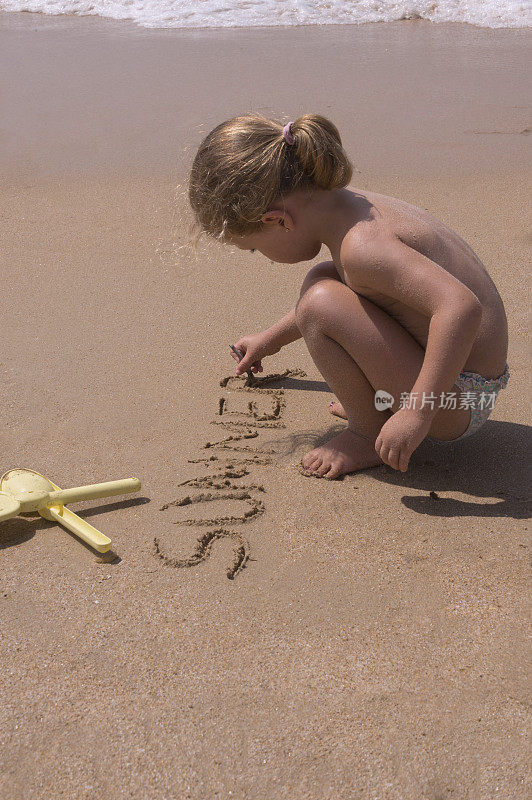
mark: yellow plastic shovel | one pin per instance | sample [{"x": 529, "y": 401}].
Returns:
[{"x": 23, "y": 491}]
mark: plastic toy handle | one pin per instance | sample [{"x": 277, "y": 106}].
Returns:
[
  {"x": 78, "y": 526},
  {"x": 107, "y": 489}
]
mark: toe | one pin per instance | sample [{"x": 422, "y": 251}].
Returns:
[
  {"x": 317, "y": 460},
  {"x": 334, "y": 472},
  {"x": 337, "y": 410},
  {"x": 323, "y": 469},
  {"x": 308, "y": 459},
  {"x": 316, "y": 464}
]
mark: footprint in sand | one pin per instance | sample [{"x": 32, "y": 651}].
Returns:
[{"x": 249, "y": 405}]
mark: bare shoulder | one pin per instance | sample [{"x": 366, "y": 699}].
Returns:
[
  {"x": 390, "y": 223},
  {"x": 393, "y": 218},
  {"x": 365, "y": 242},
  {"x": 376, "y": 223}
]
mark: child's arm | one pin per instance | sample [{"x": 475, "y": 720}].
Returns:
[
  {"x": 284, "y": 331},
  {"x": 388, "y": 266},
  {"x": 258, "y": 345}
]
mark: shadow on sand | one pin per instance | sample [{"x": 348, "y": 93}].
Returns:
[
  {"x": 492, "y": 465},
  {"x": 21, "y": 529}
]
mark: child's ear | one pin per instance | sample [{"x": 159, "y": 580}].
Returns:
[
  {"x": 278, "y": 217},
  {"x": 272, "y": 216},
  {"x": 287, "y": 222}
]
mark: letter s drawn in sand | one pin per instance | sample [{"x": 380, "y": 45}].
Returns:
[{"x": 203, "y": 551}]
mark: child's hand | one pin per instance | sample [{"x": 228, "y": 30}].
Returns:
[
  {"x": 400, "y": 435},
  {"x": 255, "y": 347}
]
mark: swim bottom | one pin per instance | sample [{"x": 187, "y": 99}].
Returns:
[{"x": 479, "y": 394}]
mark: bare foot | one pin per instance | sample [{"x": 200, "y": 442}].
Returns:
[
  {"x": 344, "y": 453},
  {"x": 337, "y": 409}
]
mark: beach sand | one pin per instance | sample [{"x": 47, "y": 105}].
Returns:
[{"x": 333, "y": 640}]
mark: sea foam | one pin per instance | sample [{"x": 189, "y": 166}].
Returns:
[{"x": 258, "y": 13}]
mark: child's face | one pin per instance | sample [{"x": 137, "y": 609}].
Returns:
[{"x": 279, "y": 240}]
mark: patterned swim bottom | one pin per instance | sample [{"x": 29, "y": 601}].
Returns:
[{"x": 481, "y": 394}]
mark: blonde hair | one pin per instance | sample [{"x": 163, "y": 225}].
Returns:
[{"x": 245, "y": 164}]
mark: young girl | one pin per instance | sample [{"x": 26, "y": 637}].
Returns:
[{"x": 404, "y": 305}]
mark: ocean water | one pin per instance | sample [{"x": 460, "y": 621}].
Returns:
[{"x": 255, "y": 13}]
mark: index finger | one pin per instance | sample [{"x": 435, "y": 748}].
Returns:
[{"x": 237, "y": 352}]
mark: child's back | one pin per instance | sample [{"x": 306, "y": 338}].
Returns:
[{"x": 421, "y": 231}]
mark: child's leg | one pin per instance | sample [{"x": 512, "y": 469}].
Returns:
[{"x": 358, "y": 348}]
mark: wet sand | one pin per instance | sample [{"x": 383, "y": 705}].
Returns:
[{"x": 262, "y": 634}]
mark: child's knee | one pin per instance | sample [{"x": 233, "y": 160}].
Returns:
[
  {"x": 316, "y": 290},
  {"x": 314, "y": 303},
  {"x": 325, "y": 269}
]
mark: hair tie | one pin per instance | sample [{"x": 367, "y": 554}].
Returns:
[{"x": 287, "y": 134}]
